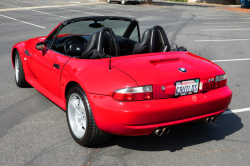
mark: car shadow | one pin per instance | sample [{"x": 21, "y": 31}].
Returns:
[{"x": 181, "y": 136}]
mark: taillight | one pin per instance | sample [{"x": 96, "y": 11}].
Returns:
[
  {"x": 220, "y": 81},
  {"x": 134, "y": 93}
]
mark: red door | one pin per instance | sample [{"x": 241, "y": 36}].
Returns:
[{"x": 47, "y": 68}]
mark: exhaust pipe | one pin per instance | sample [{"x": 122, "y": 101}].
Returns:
[
  {"x": 213, "y": 118},
  {"x": 161, "y": 131},
  {"x": 158, "y": 132},
  {"x": 166, "y": 130},
  {"x": 208, "y": 120}
]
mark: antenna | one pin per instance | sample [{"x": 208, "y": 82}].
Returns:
[{"x": 110, "y": 51}]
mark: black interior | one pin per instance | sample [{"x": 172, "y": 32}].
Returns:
[
  {"x": 89, "y": 43},
  {"x": 153, "y": 40},
  {"x": 74, "y": 45},
  {"x": 100, "y": 40},
  {"x": 144, "y": 45},
  {"x": 105, "y": 43}
]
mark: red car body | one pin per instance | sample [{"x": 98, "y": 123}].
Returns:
[{"x": 129, "y": 118}]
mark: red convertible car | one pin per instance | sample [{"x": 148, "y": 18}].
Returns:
[{"x": 109, "y": 80}]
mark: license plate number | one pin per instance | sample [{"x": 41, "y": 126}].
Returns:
[{"x": 187, "y": 87}]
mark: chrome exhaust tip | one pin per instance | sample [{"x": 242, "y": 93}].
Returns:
[
  {"x": 158, "y": 132},
  {"x": 213, "y": 118},
  {"x": 208, "y": 120},
  {"x": 166, "y": 130}
]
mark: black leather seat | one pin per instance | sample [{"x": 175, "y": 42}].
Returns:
[
  {"x": 92, "y": 44},
  {"x": 98, "y": 41},
  {"x": 160, "y": 41},
  {"x": 153, "y": 40},
  {"x": 144, "y": 46}
]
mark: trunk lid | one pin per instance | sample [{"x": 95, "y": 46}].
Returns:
[{"x": 162, "y": 69}]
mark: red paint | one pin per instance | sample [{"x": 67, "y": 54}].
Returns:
[{"x": 100, "y": 83}]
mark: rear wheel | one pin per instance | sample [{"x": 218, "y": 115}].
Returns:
[
  {"x": 108, "y": 1},
  {"x": 81, "y": 121},
  {"x": 19, "y": 73}
]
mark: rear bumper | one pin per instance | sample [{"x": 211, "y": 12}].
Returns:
[{"x": 143, "y": 117}]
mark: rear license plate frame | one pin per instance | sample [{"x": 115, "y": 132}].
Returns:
[{"x": 196, "y": 80}]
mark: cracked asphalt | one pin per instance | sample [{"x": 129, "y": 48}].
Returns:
[{"x": 34, "y": 131}]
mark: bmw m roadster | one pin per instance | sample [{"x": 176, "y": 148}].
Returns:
[{"x": 109, "y": 80}]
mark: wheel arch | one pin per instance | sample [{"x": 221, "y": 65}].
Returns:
[
  {"x": 68, "y": 86},
  {"x": 13, "y": 54}
]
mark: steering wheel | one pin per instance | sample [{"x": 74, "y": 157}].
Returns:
[{"x": 74, "y": 45}]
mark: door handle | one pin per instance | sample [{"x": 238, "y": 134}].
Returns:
[
  {"x": 56, "y": 66},
  {"x": 27, "y": 52}
]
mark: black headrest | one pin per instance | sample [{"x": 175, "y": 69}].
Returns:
[
  {"x": 144, "y": 45},
  {"x": 92, "y": 44},
  {"x": 95, "y": 44},
  {"x": 158, "y": 35}
]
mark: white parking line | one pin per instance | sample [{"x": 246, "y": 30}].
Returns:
[
  {"x": 50, "y": 14},
  {"x": 225, "y": 18},
  {"x": 35, "y": 7},
  {"x": 82, "y": 12},
  {"x": 9, "y": 4},
  {"x": 99, "y": 9},
  {"x": 228, "y": 60},
  {"x": 222, "y": 40},
  {"x": 209, "y": 18},
  {"x": 28, "y": 2},
  {"x": 225, "y": 29},
  {"x": 236, "y": 111},
  {"x": 77, "y": 6},
  {"x": 38, "y": 11},
  {"x": 115, "y": 7},
  {"x": 93, "y": 13},
  {"x": 22, "y": 21},
  {"x": 227, "y": 23}
]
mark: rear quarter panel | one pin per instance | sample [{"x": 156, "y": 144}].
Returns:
[{"x": 94, "y": 77}]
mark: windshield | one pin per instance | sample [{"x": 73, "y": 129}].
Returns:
[
  {"x": 88, "y": 27},
  {"x": 72, "y": 38}
]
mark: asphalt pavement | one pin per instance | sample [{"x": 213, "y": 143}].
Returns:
[{"x": 34, "y": 131}]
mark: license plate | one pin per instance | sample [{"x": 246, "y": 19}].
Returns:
[{"x": 187, "y": 87}]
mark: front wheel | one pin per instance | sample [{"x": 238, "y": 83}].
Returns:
[
  {"x": 81, "y": 121},
  {"x": 123, "y": 2},
  {"x": 19, "y": 73},
  {"x": 108, "y": 1}
]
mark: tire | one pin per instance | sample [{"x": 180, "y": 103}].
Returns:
[
  {"x": 81, "y": 121},
  {"x": 123, "y": 2},
  {"x": 108, "y": 1},
  {"x": 19, "y": 73}
]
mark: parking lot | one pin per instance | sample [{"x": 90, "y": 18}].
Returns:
[{"x": 34, "y": 131}]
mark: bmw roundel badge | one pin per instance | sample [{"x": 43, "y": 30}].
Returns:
[
  {"x": 163, "y": 87},
  {"x": 182, "y": 70},
  {"x": 78, "y": 49}
]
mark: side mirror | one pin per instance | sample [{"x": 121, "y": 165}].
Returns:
[{"x": 40, "y": 46}]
